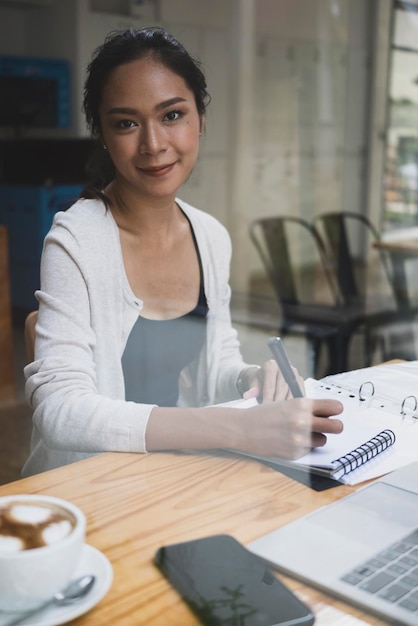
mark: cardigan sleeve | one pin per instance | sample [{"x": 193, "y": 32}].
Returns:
[{"x": 78, "y": 397}]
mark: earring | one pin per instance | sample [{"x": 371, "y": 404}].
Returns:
[{"x": 104, "y": 146}]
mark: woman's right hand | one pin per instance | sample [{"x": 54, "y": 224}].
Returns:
[{"x": 288, "y": 429}]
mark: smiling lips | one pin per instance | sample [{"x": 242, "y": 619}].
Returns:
[{"x": 156, "y": 172}]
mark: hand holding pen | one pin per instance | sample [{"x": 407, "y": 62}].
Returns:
[
  {"x": 280, "y": 356},
  {"x": 276, "y": 380},
  {"x": 297, "y": 424}
]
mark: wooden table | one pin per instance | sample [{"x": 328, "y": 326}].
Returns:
[
  {"x": 136, "y": 503},
  {"x": 407, "y": 246}
]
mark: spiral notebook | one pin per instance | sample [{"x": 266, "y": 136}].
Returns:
[{"x": 380, "y": 420}]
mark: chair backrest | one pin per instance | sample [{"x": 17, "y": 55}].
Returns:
[
  {"x": 29, "y": 333},
  {"x": 294, "y": 258},
  {"x": 360, "y": 268}
]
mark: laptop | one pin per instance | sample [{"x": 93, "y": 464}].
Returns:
[{"x": 363, "y": 548}]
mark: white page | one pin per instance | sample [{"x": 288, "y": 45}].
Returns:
[{"x": 392, "y": 383}]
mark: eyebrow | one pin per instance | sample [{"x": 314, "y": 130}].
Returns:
[{"x": 162, "y": 105}]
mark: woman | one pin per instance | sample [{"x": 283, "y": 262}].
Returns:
[{"x": 134, "y": 336}]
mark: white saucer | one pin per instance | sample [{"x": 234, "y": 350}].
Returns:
[{"x": 92, "y": 562}]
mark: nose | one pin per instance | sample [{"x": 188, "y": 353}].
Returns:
[{"x": 152, "y": 139}]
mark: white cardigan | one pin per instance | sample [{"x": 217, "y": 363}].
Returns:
[{"x": 86, "y": 312}]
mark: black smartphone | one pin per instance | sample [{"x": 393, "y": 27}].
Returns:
[{"x": 226, "y": 585}]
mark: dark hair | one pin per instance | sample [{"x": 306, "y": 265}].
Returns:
[{"x": 122, "y": 47}]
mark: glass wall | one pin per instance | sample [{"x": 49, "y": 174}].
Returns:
[{"x": 401, "y": 163}]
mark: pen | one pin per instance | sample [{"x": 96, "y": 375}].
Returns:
[{"x": 278, "y": 350}]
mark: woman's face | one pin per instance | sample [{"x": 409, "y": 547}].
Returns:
[{"x": 150, "y": 126}]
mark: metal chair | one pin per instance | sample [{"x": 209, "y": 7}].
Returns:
[
  {"x": 365, "y": 281},
  {"x": 306, "y": 287}
]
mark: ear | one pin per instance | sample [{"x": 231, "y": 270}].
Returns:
[
  {"x": 202, "y": 124},
  {"x": 102, "y": 142}
]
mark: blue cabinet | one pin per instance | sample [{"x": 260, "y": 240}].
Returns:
[{"x": 28, "y": 211}]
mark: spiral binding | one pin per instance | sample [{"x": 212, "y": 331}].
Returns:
[{"x": 354, "y": 459}]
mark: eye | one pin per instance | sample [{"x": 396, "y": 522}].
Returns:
[
  {"x": 125, "y": 124},
  {"x": 173, "y": 116}
]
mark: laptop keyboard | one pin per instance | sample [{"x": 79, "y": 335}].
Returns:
[{"x": 392, "y": 574}]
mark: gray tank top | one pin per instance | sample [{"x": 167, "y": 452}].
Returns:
[{"x": 158, "y": 350}]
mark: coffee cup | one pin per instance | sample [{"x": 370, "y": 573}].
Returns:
[{"x": 41, "y": 540}]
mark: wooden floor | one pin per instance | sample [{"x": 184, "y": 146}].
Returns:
[{"x": 15, "y": 419}]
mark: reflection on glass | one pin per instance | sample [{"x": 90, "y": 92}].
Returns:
[{"x": 401, "y": 170}]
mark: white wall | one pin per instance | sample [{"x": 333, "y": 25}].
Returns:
[{"x": 12, "y": 32}]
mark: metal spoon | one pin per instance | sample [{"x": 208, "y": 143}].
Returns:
[{"x": 76, "y": 590}]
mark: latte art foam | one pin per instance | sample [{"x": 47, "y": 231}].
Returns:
[{"x": 24, "y": 526}]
